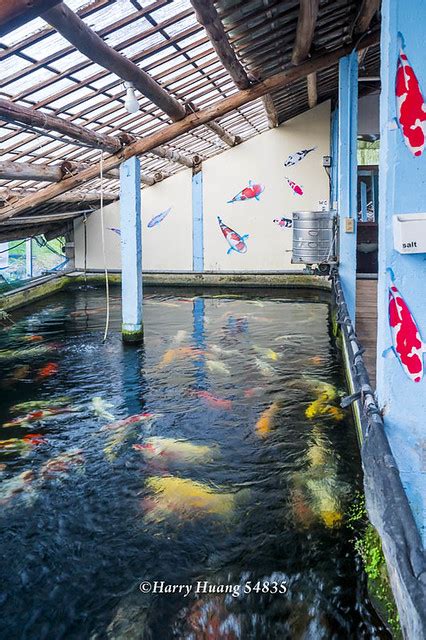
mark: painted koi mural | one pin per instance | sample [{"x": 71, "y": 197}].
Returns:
[
  {"x": 285, "y": 223},
  {"x": 236, "y": 242},
  {"x": 115, "y": 230},
  {"x": 296, "y": 188},
  {"x": 158, "y": 218},
  {"x": 410, "y": 105},
  {"x": 295, "y": 158},
  {"x": 248, "y": 193},
  {"x": 407, "y": 344}
]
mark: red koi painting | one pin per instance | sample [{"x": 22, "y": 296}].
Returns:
[
  {"x": 410, "y": 104},
  {"x": 407, "y": 343}
]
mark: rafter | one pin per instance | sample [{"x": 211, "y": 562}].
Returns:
[
  {"x": 306, "y": 22},
  {"x": 221, "y": 133},
  {"x": 65, "y": 196},
  {"x": 366, "y": 13},
  {"x": 73, "y": 29},
  {"x": 190, "y": 122},
  {"x": 51, "y": 217},
  {"x": 208, "y": 17},
  {"x": 15, "y": 14},
  {"x": 311, "y": 82},
  {"x": 13, "y": 112},
  {"x": 270, "y": 110}
]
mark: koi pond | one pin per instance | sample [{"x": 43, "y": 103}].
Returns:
[{"x": 196, "y": 487}]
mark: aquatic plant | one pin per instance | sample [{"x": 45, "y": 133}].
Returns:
[{"x": 368, "y": 545}]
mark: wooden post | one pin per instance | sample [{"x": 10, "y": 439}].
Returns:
[
  {"x": 306, "y": 22},
  {"x": 131, "y": 250}
]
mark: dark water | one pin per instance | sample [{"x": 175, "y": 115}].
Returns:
[{"x": 86, "y": 516}]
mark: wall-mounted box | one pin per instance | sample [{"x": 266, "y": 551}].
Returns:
[{"x": 409, "y": 232}]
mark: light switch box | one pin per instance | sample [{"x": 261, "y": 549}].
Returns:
[{"x": 349, "y": 225}]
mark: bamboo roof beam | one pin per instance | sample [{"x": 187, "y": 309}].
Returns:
[
  {"x": 190, "y": 122},
  {"x": 75, "y": 30},
  {"x": 14, "y": 14},
  {"x": 10, "y": 170},
  {"x": 221, "y": 133},
  {"x": 270, "y": 110},
  {"x": 176, "y": 156},
  {"x": 366, "y": 13},
  {"x": 308, "y": 12},
  {"x": 15, "y": 113},
  {"x": 311, "y": 82},
  {"x": 65, "y": 197},
  {"x": 51, "y": 217},
  {"x": 208, "y": 17}
]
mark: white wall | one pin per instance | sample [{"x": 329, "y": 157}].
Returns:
[
  {"x": 168, "y": 246},
  {"x": 261, "y": 160}
]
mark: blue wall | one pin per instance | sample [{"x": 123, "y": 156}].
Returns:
[{"x": 402, "y": 189}]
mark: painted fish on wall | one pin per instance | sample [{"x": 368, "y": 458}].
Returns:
[
  {"x": 284, "y": 222},
  {"x": 407, "y": 344},
  {"x": 296, "y": 188},
  {"x": 248, "y": 193},
  {"x": 410, "y": 105},
  {"x": 295, "y": 158},
  {"x": 115, "y": 230},
  {"x": 158, "y": 218},
  {"x": 236, "y": 242}
]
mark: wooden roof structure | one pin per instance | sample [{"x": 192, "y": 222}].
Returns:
[{"x": 207, "y": 75}]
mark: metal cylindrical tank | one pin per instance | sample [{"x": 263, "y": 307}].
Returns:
[{"x": 314, "y": 237}]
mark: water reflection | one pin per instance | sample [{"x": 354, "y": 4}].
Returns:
[{"x": 214, "y": 453}]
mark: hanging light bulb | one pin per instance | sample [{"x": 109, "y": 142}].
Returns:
[{"x": 131, "y": 104}]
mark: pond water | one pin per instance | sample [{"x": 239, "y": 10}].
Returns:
[{"x": 212, "y": 461}]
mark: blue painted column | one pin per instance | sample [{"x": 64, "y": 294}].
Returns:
[
  {"x": 334, "y": 158},
  {"x": 197, "y": 223},
  {"x": 131, "y": 250},
  {"x": 402, "y": 189},
  {"x": 347, "y": 176}
]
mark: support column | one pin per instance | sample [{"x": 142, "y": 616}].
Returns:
[
  {"x": 29, "y": 257},
  {"x": 347, "y": 176},
  {"x": 334, "y": 158},
  {"x": 402, "y": 189},
  {"x": 197, "y": 223},
  {"x": 131, "y": 250}
]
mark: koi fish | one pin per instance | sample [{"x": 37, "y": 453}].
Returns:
[
  {"x": 185, "y": 498},
  {"x": 410, "y": 104},
  {"x": 296, "y": 188},
  {"x": 223, "y": 352},
  {"x": 61, "y": 401},
  {"x": 295, "y": 158},
  {"x": 265, "y": 422},
  {"x": 62, "y": 464},
  {"x": 115, "y": 230},
  {"x": 214, "y": 366},
  {"x": 180, "y": 336},
  {"x": 178, "y": 354},
  {"x": 212, "y": 400},
  {"x": 254, "y": 392},
  {"x": 14, "y": 486},
  {"x": 174, "y": 450},
  {"x": 100, "y": 408},
  {"x": 16, "y": 445},
  {"x": 38, "y": 416},
  {"x": 158, "y": 218},
  {"x": 270, "y": 354},
  {"x": 34, "y": 438},
  {"x": 136, "y": 419},
  {"x": 21, "y": 372},
  {"x": 283, "y": 222},
  {"x": 236, "y": 242},
  {"x": 248, "y": 193},
  {"x": 407, "y": 343},
  {"x": 25, "y": 353},
  {"x": 49, "y": 369},
  {"x": 265, "y": 368},
  {"x": 33, "y": 338}
]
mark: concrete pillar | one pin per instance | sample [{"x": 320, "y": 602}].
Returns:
[
  {"x": 29, "y": 257},
  {"x": 131, "y": 250},
  {"x": 347, "y": 176},
  {"x": 402, "y": 189},
  {"x": 197, "y": 223}
]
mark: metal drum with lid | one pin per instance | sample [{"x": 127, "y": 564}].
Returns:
[{"x": 314, "y": 237}]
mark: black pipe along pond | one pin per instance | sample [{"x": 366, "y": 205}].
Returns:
[{"x": 195, "y": 487}]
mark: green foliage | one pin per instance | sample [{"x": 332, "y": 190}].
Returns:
[{"x": 368, "y": 545}]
